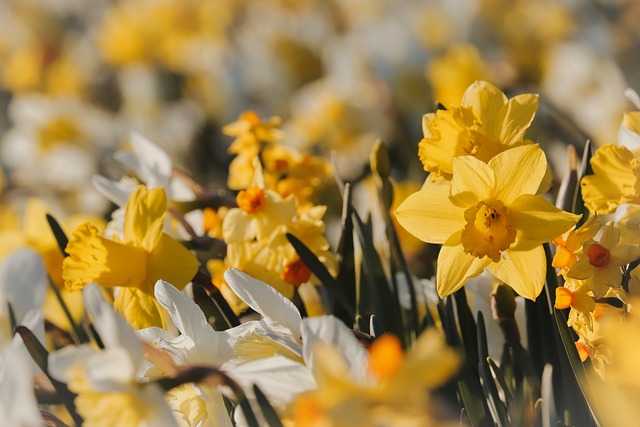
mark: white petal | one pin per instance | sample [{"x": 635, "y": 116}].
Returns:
[
  {"x": 23, "y": 282},
  {"x": 113, "y": 329},
  {"x": 330, "y": 330},
  {"x": 117, "y": 192},
  {"x": 279, "y": 378},
  {"x": 156, "y": 166},
  {"x": 190, "y": 320},
  {"x": 264, "y": 299}
]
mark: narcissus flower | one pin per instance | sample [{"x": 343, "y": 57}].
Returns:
[
  {"x": 489, "y": 216},
  {"x": 485, "y": 124},
  {"x": 602, "y": 260},
  {"x": 615, "y": 179},
  {"x": 146, "y": 255}
]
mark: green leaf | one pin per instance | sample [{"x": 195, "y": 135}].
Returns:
[
  {"x": 346, "y": 280},
  {"x": 498, "y": 409},
  {"x": 58, "y": 233},
  {"x": 203, "y": 279},
  {"x": 321, "y": 272},
  {"x": 78, "y": 334},
  {"x": 40, "y": 355},
  {"x": 270, "y": 414},
  {"x": 375, "y": 294},
  {"x": 578, "y": 204}
]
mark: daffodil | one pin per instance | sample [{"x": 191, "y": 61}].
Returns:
[
  {"x": 615, "y": 179},
  {"x": 451, "y": 74},
  {"x": 602, "y": 260},
  {"x": 577, "y": 295},
  {"x": 146, "y": 255},
  {"x": 483, "y": 125},
  {"x": 383, "y": 386},
  {"x": 108, "y": 389},
  {"x": 569, "y": 245},
  {"x": 489, "y": 216}
]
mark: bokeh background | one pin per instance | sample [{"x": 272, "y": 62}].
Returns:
[{"x": 77, "y": 76}]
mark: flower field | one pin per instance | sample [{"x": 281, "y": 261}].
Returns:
[{"x": 313, "y": 213}]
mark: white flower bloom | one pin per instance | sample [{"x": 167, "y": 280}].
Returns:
[{"x": 107, "y": 381}]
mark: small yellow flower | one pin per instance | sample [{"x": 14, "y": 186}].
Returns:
[
  {"x": 570, "y": 243},
  {"x": 577, "y": 295},
  {"x": 485, "y": 124},
  {"x": 146, "y": 256},
  {"x": 615, "y": 180},
  {"x": 602, "y": 260},
  {"x": 489, "y": 216}
]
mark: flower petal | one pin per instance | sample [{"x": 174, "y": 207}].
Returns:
[
  {"x": 538, "y": 221},
  {"x": 472, "y": 181},
  {"x": 113, "y": 329},
  {"x": 524, "y": 271},
  {"x": 264, "y": 299},
  {"x": 330, "y": 330},
  {"x": 429, "y": 214},
  {"x": 144, "y": 217},
  {"x": 519, "y": 170},
  {"x": 516, "y": 117},
  {"x": 155, "y": 165},
  {"x": 190, "y": 321},
  {"x": 455, "y": 266},
  {"x": 487, "y": 101},
  {"x": 172, "y": 262}
]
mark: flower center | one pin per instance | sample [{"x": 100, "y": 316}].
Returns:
[
  {"x": 296, "y": 273},
  {"x": 599, "y": 256},
  {"x": 488, "y": 231},
  {"x": 251, "y": 117},
  {"x": 251, "y": 200}
]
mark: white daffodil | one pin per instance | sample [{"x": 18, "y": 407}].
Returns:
[
  {"x": 23, "y": 285},
  {"x": 107, "y": 381},
  {"x": 151, "y": 165},
  {"x": 54, "y": 142},
  {"x": 265, "y": 352},
  {"x": 18, "y": 406}
]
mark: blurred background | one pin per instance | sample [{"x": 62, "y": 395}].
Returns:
[{"x": 77, "y": 76}]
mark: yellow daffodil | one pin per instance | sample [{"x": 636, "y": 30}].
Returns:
[
  {"x": 146, "y": 255},
  {"x": 489, "y": 216},
  {"x": 451, "y": 74},
  {"x": 385, "y": 386},
  {"x": 602, "y": 260},
  {"x": 615, "y": 179},
  {"x": 485, "y": 124},
  {"x": 570, "y": 243},
  {"x": 577, "y": 295}
]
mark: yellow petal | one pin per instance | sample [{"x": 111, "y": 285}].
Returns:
[
  {"x": 516, "y": 117},
  {"x": 472, "y": 181},
  {"x": 171, "y": 262},
  {"x": 524, "y": 271},
  {"x": 455, "y": 266},
  {"x": 144, "y": 217},
  {"x": 614, "y": 182},
  {"x": 429, "y": 214},
  {"x": 139, "y": 309},
  {"x": 93, "y": 258},
  {"x": 631, "y": 121},
  {"x": 538, "y": 221},
  {"x": 519, "y": 170},
  {"x": 487, "y": 101}
]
